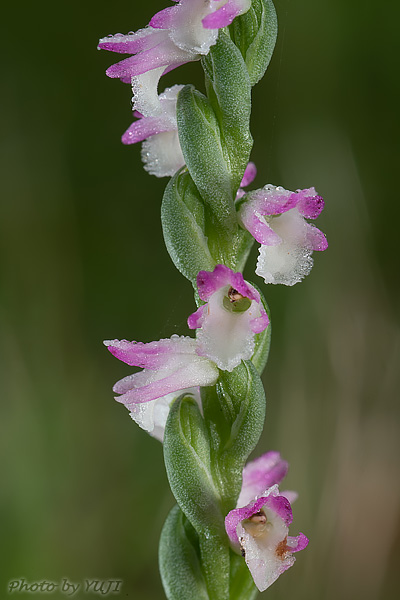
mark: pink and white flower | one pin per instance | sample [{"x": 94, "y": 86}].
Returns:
[
  {"x": 276, "y": 218},
  {"x": 169, "y": 366},
  {"x": 161, "y": 150},
  {"x": 227, "y": 323},
  {"x": 174, "y": 36},
  {"x": 259, "y": 529},
  {"x": 193, "y": 24}
]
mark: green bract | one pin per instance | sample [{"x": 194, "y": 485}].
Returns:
[
  {"x": 188, "y": 463},
  {"x": 254, "y": 33},
  {"x": 231, "y": 103},
  {"x": 201, "y": 144},
  {"x": 180, "y": 565},
  {"x": 184, "y": 222},
  {"x": 234, "y": 412}
]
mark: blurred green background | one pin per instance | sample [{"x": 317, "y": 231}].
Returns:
[{"x": 83, "y": 491}]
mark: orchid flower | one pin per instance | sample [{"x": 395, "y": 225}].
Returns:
[
  {"x": 161, "y": 150},
  {"x": 176, "y": 35},
  {"x": 169, "y": 366},
  {"x": 232, "y": 315},
  {"x": 193, "y": 24},
  {"x": 260, "y": 528},
  {"x": 276, "y": 219}
]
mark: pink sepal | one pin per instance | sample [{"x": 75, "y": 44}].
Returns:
[
  {"x": 260, "y": 323},
  {"x": 164, "y": 19},
  {"x": 260, "y": 474},
  {"x": 209, "y": 282},
  {"x": 163, "y": 53},
  {"x": 281, "y": 506},
  {"x": 145, "y": 127},
  {"x": 224, "y": 16},
  {"x": 125, "y": 69},
  {"x": 272, "y": 200},
  {"x": 316, "y": 239},
  {"x": 221, "y": 17},
  {"x": 131, "y": 43},
  {"x": 195, "y": 319},
  {"x": 297, "y": 543},
  {"x": 258, "y": 227},
  {"x": 147, "y": 355},
  {"x": 309, "y": 204},
  {"x": 249, "y": 174},
  {"x": 146, "y": 386}
]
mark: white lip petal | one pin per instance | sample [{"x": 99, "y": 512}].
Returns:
[
  {"x": 290, "y": 261},
  {"x": 284, "y": 264},
  {"x": 152, "y": 416},
  {"x": 162, "y": 154},
  {"x": 225, "y": 337},
  {"x": 145, "y": 97}
]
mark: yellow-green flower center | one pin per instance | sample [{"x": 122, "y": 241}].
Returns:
[{"x": 235, "y": 302}]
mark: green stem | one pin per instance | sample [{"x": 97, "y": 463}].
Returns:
[{"x": 215, "y": 559}]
